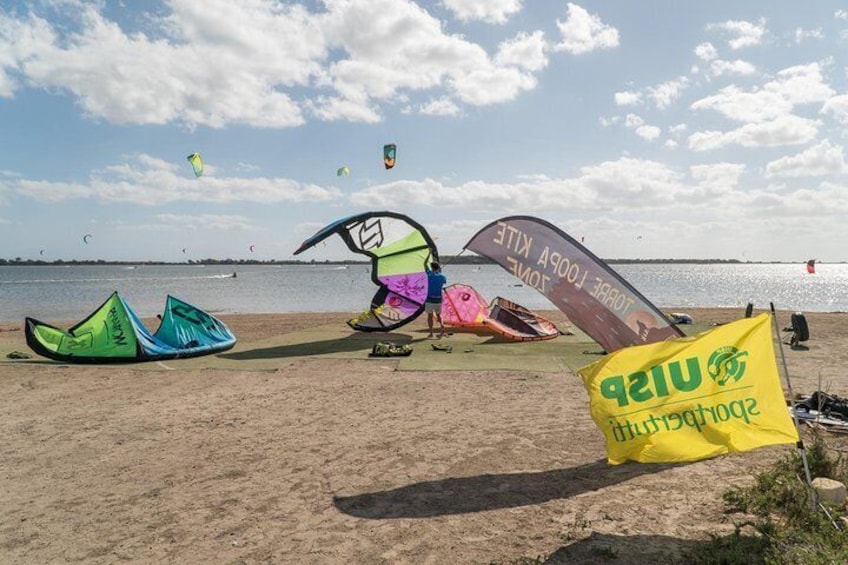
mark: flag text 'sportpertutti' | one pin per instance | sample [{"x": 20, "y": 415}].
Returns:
[{"x": 691, "y": 398}]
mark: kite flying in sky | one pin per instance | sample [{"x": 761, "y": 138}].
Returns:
[
  {"x": 344, "y": 171},
  {"x": 86, "y": 237},
  {"x": 196, "y": 163},
  {"x": 389, "y": 154}
]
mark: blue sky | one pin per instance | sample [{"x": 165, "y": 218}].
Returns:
[{"x": 652, "y": 129}]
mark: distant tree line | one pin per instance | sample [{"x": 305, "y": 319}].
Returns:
[{"x": 445, "y": 259}]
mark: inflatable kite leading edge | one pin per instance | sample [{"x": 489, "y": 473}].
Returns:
[{"x": 114, "y": 333}]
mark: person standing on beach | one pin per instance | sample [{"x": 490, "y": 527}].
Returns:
[{"x": 436, "y": 281}]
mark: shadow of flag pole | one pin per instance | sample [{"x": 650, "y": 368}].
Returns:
[{"x": 800, "y": 445}]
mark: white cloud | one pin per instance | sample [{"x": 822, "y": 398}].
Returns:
[
  {"x": 640, "y": 128},
  {"x": 802, "y": 84},
  {"x": 608, "y": 122},
  {"x": 263, "y": 64},
  {"x": 583, "y": 32},
  {"x": 196, "y": 222},
  {"x": 745, "y": 34},
  {"x": 737, "y": 67},
  {"x": 440, "y": 107},
  {"x": 648, "y": 132},
  {"x": 783, "y": 130},
  {"x": 490, "y": 11},
  {"x": 150, "y": 181},
  {"x": 524, "y": 50},
  {"x": 491, "y": 86},
  {"x": 666, "y": 93},
  {"x": 621, "y": 184},
  {"x": 226, "y": 222},
  {"x": 628, "y": 98},
  {"x": 841, "y": 14},
  {"x": 821, "y": 159},
  {"x": 662, "y": 95},
  {"x": 332, "y": 108},
  {"x": 803, "y": 34},
  {"x": 706, "y": 51},
  {"x": 716, "y": 179},
  {"x": 137, "y": 79},
  {"x": 838, "y": 108},
  {"x": 735, "y": 104}
]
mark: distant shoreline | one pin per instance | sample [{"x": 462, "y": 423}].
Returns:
[{"x": 447, "y": 260}]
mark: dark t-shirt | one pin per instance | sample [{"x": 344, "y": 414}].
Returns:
[{"x": 435, "y": 284}]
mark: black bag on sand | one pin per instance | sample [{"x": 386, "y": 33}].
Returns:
[{"x": 828, "y": 404}]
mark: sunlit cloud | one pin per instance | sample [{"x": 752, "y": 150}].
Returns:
[{"x": 582, "y": 32}]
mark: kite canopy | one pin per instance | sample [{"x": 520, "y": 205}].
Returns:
[
  {"x": 463, "y": 306},
  {"x": 399, "y": 249},
  {"x": 196, "y": 163},
  {"x": 343, "y": 171},
  {"x": 592, "y": 295},
  {"x": 86, "y": 237},
  {"x": 389, "y": 154},
  {"x": 114, "y": 333}
]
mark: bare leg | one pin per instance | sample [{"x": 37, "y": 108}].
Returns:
[{"x": 430, "y": 323}]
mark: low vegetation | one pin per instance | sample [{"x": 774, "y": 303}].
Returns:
[{"x": 776, "y": 519}]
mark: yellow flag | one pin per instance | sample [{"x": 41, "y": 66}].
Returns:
[{"x": 691, "y": 398}]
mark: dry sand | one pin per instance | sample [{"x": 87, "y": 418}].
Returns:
[{"x": 345, "y": 460}]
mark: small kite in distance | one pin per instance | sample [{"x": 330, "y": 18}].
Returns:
[
  {"x": 196, "y": 163},
  {"x": 252, "y": 248},
  {"x": 86, "y": 237},
  {"x": 389, "y": 155},
  {"x": 41, "y": 252},
  {"x": 344, "y": 171}
]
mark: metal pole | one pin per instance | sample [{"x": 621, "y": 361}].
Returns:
[{"x": 800, "y": 444}]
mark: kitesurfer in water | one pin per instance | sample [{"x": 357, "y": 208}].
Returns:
[{"x": 436, "y": 281}]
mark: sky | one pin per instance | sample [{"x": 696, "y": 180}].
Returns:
[{"x": 651, "y": 129}]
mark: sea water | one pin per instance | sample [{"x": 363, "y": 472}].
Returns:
[{"x": 69, "y": 293}]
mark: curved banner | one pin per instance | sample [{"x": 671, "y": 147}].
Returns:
[{"x": 593, "y": 296}]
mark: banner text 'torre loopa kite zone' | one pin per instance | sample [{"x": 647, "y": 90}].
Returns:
[{"x": 593, "y": 296}]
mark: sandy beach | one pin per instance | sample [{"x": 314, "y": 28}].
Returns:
[{"x": 295, "y": 447}]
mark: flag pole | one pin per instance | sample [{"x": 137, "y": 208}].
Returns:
[{"x": 800, "y": 444}]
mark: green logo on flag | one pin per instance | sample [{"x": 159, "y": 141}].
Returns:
[{"x": 726, "y": 363}]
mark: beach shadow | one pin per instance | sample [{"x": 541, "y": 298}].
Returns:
[
  {"x": 350, "y": 343},
  {"x": 489, "y": 492},
  {"x": 622, "y": 550}
]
